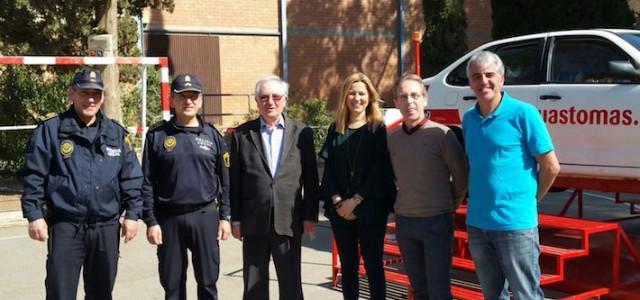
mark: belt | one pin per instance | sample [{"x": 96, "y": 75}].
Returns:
[
  {"x": 183, "y": 208},
  {"x": 54, "y": 217}
]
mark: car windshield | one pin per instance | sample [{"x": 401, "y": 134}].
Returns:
[{"x": 631, "y": 38}]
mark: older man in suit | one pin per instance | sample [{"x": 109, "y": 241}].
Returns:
[{"x": 274, "y": 182}]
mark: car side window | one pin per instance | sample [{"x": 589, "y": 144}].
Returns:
[
  {"x": 458, "y": 77},
  {"x": 587, "y": 61},
  {"x": 521, "y": 63}
]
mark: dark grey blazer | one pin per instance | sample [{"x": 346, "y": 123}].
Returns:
[{"x": 291, "y": 194}]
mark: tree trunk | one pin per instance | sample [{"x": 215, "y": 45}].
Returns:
[{"x": 111, "y": 106}]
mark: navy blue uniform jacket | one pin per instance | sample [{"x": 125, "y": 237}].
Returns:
[
  {"x": 184, "y": 166},
  {"x": 80, "y": 180}
]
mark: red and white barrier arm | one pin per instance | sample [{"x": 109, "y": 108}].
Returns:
[{"x": 94, "y": 60}]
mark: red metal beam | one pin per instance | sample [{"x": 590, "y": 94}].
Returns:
[{"x": 600, "y": 184}]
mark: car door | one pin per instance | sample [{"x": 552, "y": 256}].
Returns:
[
  {"x": 523, "y": 72},
  {"x": 588, "y": 107}
]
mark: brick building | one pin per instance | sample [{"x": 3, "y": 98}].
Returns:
[
  {"x": 232, "y": 43},
  {"x": 228, "y": 43},
  {"x": 479, "y": 23}
]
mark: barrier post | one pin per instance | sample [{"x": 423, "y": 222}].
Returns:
[
  {"x": 416, "y": 50},
  {"x": 164, "y": 88},
  {"x": 94, "y": 60}
]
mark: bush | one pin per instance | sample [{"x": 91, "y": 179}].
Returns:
[
  {"x": 132, "y": 103},
  {"x": 30, "y": 95},
  {"x": 27, "y": 97},
  {"x": 314, "y": 113}
]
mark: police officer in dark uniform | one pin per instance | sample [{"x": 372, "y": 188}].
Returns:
[
  {"x": 79, "y": 175},
  {"x": 186, "y": 193}
]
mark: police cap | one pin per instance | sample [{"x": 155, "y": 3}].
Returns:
[
  {"x": 186, "y": 82},
  {"x": 88, "y": 79}
]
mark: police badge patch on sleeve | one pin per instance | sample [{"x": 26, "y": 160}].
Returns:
[
  {"x": 226, "y": 158},
  {"x": 128, "y": 139}
]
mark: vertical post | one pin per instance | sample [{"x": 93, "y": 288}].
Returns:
[
  {"x": 284, "y": 50},
  {"x": 143, "y": 108},
  {"x": 335, "y": 267},
  {"x": 164, "y": 88},
  {"x": 416, "y": 51},
  {"x": 248, "y": 104},
  {"x": 400, "y": 37},
  {"x": 143, "y": 81},
  {"x": 580, "y": 205},
  {"x": 615, "y": 257}
]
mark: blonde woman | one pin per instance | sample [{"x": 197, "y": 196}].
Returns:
[{"x": 357, "y": 185}]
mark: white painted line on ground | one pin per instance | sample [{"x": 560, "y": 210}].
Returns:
[
  {"x": 12, "y": 218},
  {"x": 599, "y": 196},
  {"x": 15, "y": 237}
]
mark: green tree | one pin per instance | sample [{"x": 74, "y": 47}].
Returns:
[
  {"x": 131, "y": 104},
  {"x": 61, "y": 28},
  {"x": 444, "y": 35},
  {"x": 24, "y": 97},
  {"x": 41, "y": 27},
  {"x": 550, "y": 15},
  {"x": 312, "y": 111}
]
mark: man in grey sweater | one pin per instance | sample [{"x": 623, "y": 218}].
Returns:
[{"x": 431, "y": 174}]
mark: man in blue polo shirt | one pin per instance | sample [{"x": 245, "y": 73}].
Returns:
[{"x": 512, "y": 165}]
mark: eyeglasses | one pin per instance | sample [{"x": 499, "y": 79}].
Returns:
[
  {"x": 274, "y": 97},
  {"x": 192, "y": 95},
  {"x": 411, "y": 97}
]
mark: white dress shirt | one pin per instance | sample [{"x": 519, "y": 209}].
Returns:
[{"x": 272, "y": 138}]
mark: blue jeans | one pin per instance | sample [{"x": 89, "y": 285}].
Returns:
[
  {"x": 425, "y": 245},
  {"x": 507, "y": 259}
]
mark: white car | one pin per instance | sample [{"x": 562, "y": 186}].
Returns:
[{"x": 586, "y": 84}]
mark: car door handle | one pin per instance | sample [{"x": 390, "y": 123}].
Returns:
[
  {"x": 550, "y": 97},
  {"x": 467, "y": 98}
]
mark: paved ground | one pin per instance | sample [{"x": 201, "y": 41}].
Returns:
[
  {"x": 10, "y": 190},
  {"x": 23, "y": 260}
]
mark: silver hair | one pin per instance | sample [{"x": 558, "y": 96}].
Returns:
[
  {"x": 486, "y": 58},
  {"x": 285, "y": 86}
]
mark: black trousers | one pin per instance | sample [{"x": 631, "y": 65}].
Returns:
[
  {"x": 370, "y": 238},
  {"x": 196, "y": 231},
  {"x": 256, "y": 253},
  {"x": 92, "y": 248}
]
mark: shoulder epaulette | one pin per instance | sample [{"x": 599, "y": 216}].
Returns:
[
  {"x": 214, "y": 128},
  {"x": 48, "y": 117},
  {"x": 157, "y": 125},
  {"x": 120, "y": 125}
]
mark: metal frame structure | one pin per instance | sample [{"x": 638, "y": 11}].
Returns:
[{"x": 163, "y": 62}]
